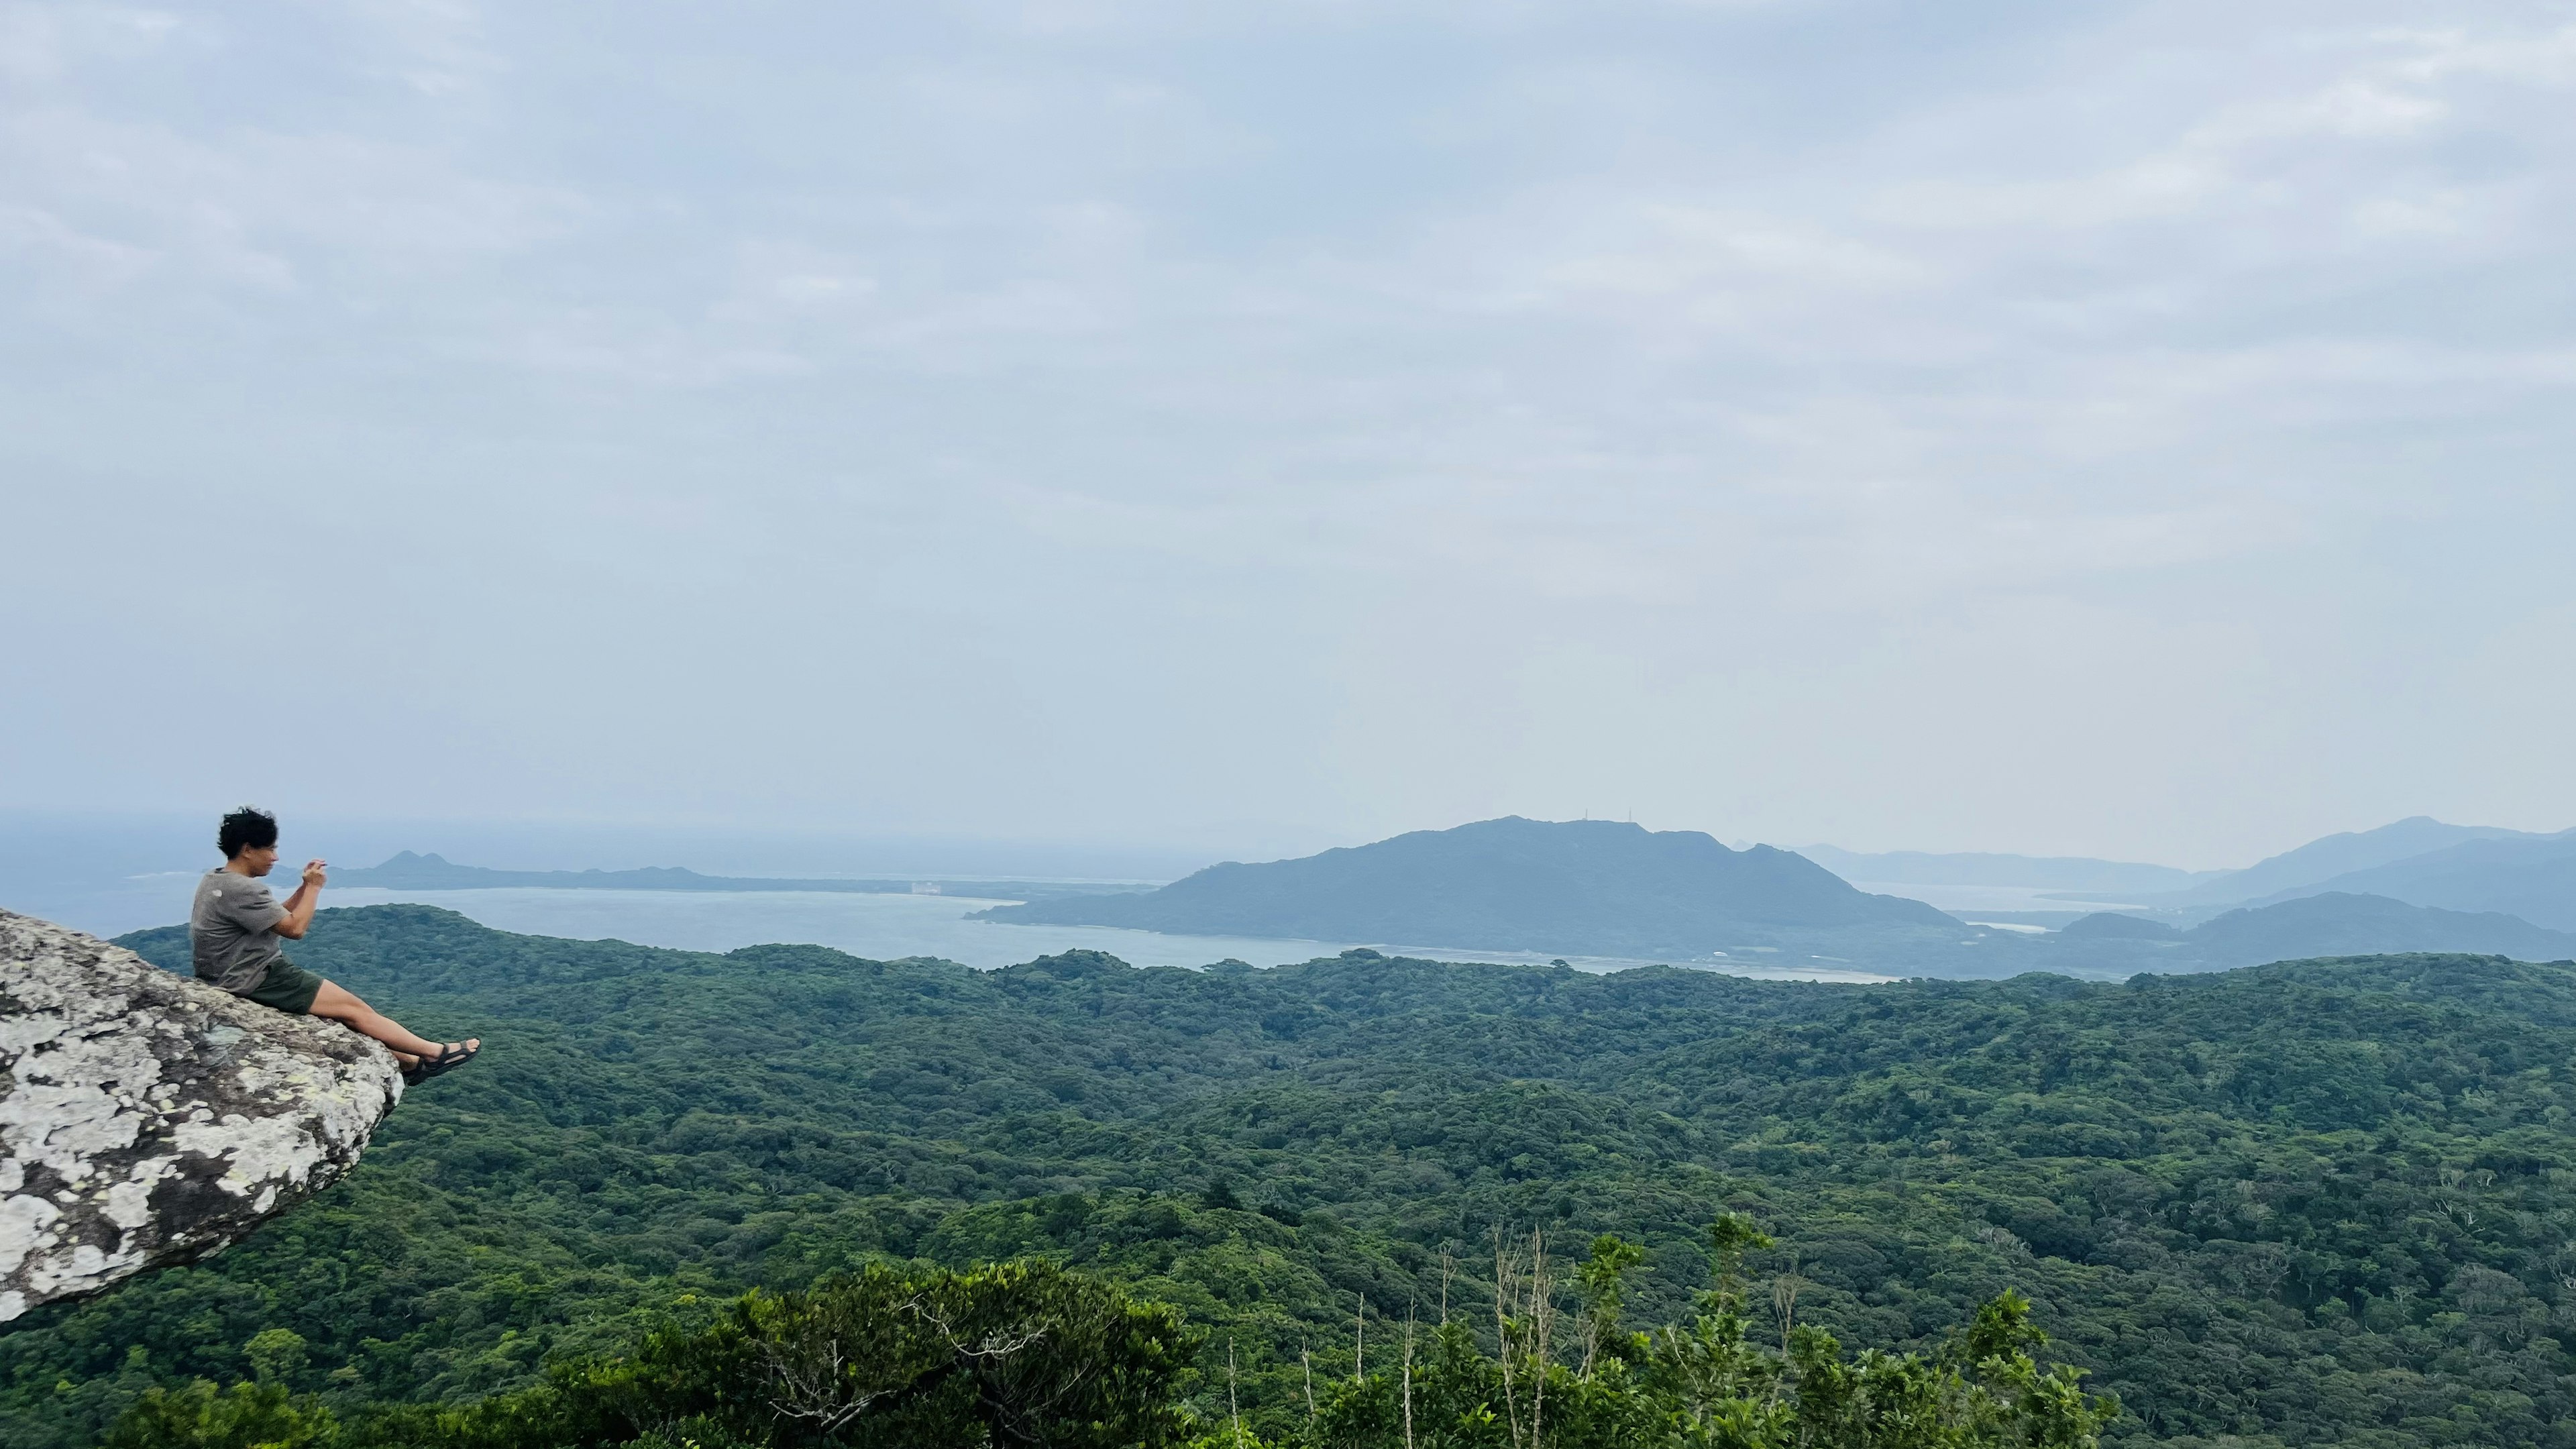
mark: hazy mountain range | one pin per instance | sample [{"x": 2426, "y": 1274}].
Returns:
[
  {"x": 1605, "y": 888},
  {"x": 2420, "y": 861},
  {"x": 1979, "y": 868},
  {"x": 2329, "y": 924},
  {"x": 409, "y": 872},
  {"x": 2530, "y": 877},
  {"x": 1611, "y": 889},
  {"x": 2326, "y": 863}
]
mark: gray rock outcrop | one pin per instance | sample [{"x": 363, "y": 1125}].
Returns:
[{"x": 147, "y": 1119}]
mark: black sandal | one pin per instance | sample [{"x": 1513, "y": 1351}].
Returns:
[{"x": 448, "y": 1059}]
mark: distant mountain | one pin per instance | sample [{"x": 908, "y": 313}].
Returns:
[
  {"x": 2058, "y": 872},
  {"x": 2329, "y": 857},
  {"x": 1581, "y": 887},
  {"x": 409, "y": 872},
  {"x": 2112, "y": 926},
  {"x": 2333, "y": 924},
  {"x": 2533, "y": 877}
]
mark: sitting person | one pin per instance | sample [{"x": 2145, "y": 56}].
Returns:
[{"x": 234, "y": 929}]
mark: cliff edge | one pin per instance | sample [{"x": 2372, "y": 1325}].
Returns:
[{"x": 147, "y": 1119}]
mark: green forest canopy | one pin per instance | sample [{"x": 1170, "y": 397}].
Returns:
[
  {"x": 1031, "y": 1353},
  {"x": 2317, "y": 1202}
]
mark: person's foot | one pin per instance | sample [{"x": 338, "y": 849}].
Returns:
[{"x": 451, "y": 1055}]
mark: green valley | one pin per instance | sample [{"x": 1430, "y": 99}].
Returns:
[{"x": 2316, "y": 1202}]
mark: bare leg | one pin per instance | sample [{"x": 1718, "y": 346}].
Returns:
[{"x": 342, "y": 1005}]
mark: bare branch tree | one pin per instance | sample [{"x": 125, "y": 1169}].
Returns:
[
  {"x": 1524, "y": 1331},
  {"x": 812, "y": 1387},
  {"x": 819, "y": 1383},
  {"x": 1233, "y": 1408},
  {"x": 1542, "y": 1332},
  {"x": 1506, "y": 1287},
  {"x": 1784, "y": 1299},
  {"x": 1308, "y": 1359},
  {"x": 1408, "y": 1376}
]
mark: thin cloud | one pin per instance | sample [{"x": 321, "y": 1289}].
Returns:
[{"x": 1091, "y": 399}]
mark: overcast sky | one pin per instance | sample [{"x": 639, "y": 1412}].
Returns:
[{"x": 2126, "y": 429}]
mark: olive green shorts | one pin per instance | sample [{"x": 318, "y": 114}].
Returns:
[{"x": 287, "y": 986}]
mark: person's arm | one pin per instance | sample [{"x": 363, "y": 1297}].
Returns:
[{"x": 300, "y": 906}]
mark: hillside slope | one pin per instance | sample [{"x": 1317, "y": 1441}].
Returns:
[
  {"x": 2534, "y": 878},
  {"x": 2332, "y": 856},
  {"x": 1597, "y": 886}
]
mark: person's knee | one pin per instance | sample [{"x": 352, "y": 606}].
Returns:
[{"x": 338, "y": 1001}]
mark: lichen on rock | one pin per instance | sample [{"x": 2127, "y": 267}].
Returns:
[{"x": 148, "y": 1119}]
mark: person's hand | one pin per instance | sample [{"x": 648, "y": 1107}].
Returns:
[{"x": 314, "y": 874}]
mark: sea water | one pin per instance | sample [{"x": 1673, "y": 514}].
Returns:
[{"x": 889, "y": 926}]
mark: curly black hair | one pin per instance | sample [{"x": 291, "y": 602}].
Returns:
[{"x": 244, "y": 828}]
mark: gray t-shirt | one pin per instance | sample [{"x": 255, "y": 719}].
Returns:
[{"x": 232, "y": 930}]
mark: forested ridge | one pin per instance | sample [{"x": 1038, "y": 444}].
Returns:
[{"x": 2317, "y": 1202}]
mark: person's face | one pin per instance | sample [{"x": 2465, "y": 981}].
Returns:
[{"x": 258, "y": 859}]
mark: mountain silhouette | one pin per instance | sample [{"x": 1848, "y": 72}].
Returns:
[{"x": 1591, "y": 886}]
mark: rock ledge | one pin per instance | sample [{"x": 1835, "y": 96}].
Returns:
[{"x": 147, "y": 1119}]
